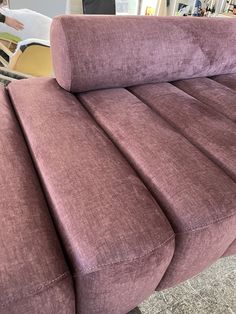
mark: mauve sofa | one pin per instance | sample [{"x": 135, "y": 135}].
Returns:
[{"x": 118, "y": 177}]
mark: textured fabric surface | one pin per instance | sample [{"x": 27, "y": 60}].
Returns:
[
  {"x": 213, "y": 94},
  {"x": 34, "y": 277},
  {"x": 115, "y": 234},
  {"x": 141, "y": 187},
  {"x": 228, "y": 80},
  {"x": 195, "y": 194},
  {"x": 56, "y": 297},
  {"x": 113, "y": 51},
  {"x": 207, "y": 129}
]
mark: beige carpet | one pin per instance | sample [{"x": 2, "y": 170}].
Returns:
[{"x": 212, "y": 292}]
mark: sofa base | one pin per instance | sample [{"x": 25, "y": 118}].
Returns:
[{"x": 135, "y": 311}]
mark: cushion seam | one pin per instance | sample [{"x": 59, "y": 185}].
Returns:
[
  {"x": 37, "y": 290},
  {"x": 189, "y": 138},
  {"x": 103, "y": 266},
  {"x": 205, "y": 99},
  {"x": 206, "y": 225}
]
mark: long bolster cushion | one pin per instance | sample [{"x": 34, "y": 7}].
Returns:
[
  {"x": 116, "y": 236},
  {"x": 34, "y": 277},
  {"x": 94, "y": 52}
]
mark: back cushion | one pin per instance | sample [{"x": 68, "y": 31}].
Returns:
[{"x": 94, "y": 52}]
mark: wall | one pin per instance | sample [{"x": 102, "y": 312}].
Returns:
[{"x": 46, "y": 7}]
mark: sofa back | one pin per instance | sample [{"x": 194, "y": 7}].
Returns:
[{"x": 94, "y": 52}]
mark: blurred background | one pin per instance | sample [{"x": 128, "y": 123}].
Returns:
[{"x": 148, "y": 7}]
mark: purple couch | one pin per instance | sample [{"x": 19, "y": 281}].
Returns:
[{"x": 118, "y": 177}]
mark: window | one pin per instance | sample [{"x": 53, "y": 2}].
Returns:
[{"x": 136, "y": 7}]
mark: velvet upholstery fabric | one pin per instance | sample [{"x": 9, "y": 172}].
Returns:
[
  {"x": 34, "y": 277},
  {"x": 140, "y": 182},
  {"x": 115, "y": 234},
  {"x": 197, "y": 197},
  {"x": 113, "y": 51},
  {"x": 212, "y": 93},
  {"x": 211, "y": 132},
  {"x": 228, "y": 80}
]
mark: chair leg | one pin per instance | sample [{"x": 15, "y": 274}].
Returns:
[{"x": 135, "y": 311}]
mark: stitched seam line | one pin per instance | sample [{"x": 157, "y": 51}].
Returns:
[
  {"x": 205, "y": 226},
  {"x": 100, "y": 267},
  {"x": 39, "y": 289}
]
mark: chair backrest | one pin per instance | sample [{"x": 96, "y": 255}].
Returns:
[
  {"x": 93, "y": 52},
  {"x": 10, "y": 37},
  {"x": 33, "y": 59},
  {"x": 8, "y": 45}
]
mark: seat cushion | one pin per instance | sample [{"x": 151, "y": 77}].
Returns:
[
  {"x": 196, "y": 194},
  {"x": 228, "y": 80},
  {"x": 203, "y": 126},
  {"x": 116, "y": 237},
  {"x": 211, "y": 93},
  {"x": 34, "y": 277}
]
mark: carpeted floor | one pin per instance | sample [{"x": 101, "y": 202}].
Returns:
[{"x": 212, "y": 292}]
